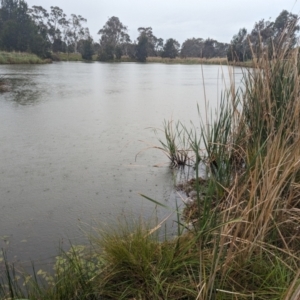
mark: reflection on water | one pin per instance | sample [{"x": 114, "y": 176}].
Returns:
[{"x": 69, "y": 137}]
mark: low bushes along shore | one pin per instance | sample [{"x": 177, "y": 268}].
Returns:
[
  {"x": 28, "y": 58},
  {"x": 20, "y": 58}
]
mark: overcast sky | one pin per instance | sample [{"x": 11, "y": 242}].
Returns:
[{"x": 179, "y": 19}]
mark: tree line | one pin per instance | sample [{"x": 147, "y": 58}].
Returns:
[
  {"x": 38, "y": 31},
  {"x": 43, "y": 32},
  {"x": 265, "y": 38}
]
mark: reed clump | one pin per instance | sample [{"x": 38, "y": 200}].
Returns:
[
  {"x": 3, "y": 84},
  {"x": 64, "y": 56},
  {"x": 20, "y": 58},
  {"x": 188, "y": 60},
  {"x": 238, "y": 237},
  {"x": 247, "y": 207}
]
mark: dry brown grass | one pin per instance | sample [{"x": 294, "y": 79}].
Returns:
[
  {"x": 248, "y": 210},
  {"x": 188, "y": 60}
]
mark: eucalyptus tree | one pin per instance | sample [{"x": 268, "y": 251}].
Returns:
[
  {"x": 285, "y": 30},
  {"x": 16, "y": 27},
  {"x": 85, "y": 45},
  {"x": 40, "y": 17},
  {"x": 171, "y": 48},
  {"x": 10, "y": 9},
  {"x": 221, "y": 49},
  {"x": 148, "y": 40},
  {"x": 86, "y": 48},
  {"x": 112, "y": 36},
  {"x": 159, "y": 46},
  {"x": 209, "y": 48},
  {"x": 53, "y": 25},
  {"x": 239, "y": 49},
  {"x": 12, "y": 14},
  {"x": 261, "y": 38},
  {"x": 197, "y": 47},
  {"x": 154, "y": 44},
  {"x": 57, "y": 27},
  {"x": 141, "y": 49},
  {"x": 76, "y": 31},
  {"x": 266, "y": 38},
  {"x": 192, "y": 47},
  {"x": 18, "y": 31}
]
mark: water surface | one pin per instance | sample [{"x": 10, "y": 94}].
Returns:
[{"x": 69, "y": 136}]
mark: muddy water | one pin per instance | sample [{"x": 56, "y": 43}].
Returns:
[{"x": 69, "y": 136}]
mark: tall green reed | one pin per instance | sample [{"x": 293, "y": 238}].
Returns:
[{"x": 252, "y": 151}]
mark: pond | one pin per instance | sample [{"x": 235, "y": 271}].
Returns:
[{"x": 72, "y": 136}]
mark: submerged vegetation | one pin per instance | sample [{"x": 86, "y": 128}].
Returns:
[
  {"x": 3, "y": 84},
  {"x": 238, "y": 228}
]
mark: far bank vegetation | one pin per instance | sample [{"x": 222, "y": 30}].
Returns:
[
  {"x": 21, "y": 58},
  {"x": 56, "y": 36}
]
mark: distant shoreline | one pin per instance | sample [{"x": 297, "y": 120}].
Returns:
[{"x": 28, "y": 58}]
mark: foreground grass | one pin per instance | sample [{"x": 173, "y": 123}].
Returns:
[
  {"x": 134, "y": 264},
  {"x": 248, "y": 206},
  {"x": 238, "y": 236},
  {"x": 20, "y": 58}
]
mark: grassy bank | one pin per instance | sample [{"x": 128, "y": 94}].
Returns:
[
  {"x": 61, "y": 56},
  {"x": 178, "y": 60},
  {"x": 238, "y": 228},
  {"x": 188, "y": 60},
  {"x": 28, "y": 58},
  {"x": 20, "y": 58},
  {"x": 199, "y": 61}
]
